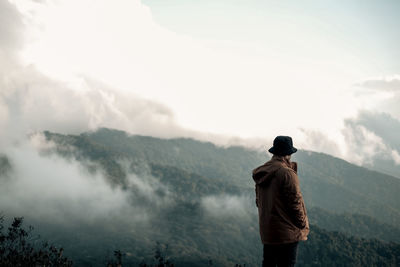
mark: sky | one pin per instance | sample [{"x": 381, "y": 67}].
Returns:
[{"x": 326, "y": 73}]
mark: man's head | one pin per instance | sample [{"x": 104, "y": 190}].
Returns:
[{"x": 283, "y": 146}]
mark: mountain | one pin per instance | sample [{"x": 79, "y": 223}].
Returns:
[
  {"x": 197, "y": 204},
  {"x": 327, "y": 182}
]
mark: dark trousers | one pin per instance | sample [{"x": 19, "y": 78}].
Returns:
[{"x": 281, "y": 255}]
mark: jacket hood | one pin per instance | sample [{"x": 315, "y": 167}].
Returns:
[{"x": 264, "y": 173}]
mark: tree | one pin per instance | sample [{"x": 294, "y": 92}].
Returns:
[{"x": 19, "y": 248}]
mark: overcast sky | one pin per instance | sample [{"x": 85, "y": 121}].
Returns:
[{"x": 315, "y": 70}]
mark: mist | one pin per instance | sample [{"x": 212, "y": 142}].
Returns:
[
  {"x": 225, "y": 206},
  {"x": 46, "y": 187}
]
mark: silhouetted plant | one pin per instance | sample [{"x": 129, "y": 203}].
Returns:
[
  {"x": 118, "y": 259},
  {"x": 17, "y": 248},
  {"x": 160, "y": 255}
]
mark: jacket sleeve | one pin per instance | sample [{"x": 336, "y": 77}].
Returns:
[{"x": 294, "y": 200}]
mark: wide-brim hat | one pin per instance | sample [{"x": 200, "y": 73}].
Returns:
[{"x": 283, "y": 145}]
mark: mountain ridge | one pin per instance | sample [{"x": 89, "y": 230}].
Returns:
[
  {"x": 326, "y": 181},
  {"x": 204, "y": 217}
]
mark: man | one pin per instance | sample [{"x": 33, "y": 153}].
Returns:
[{"x": 282, "y": 213}]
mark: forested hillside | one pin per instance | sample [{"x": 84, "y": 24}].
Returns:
[
  {"x": 327, "y": 182},
  {"x": 197, "y": 201},
  {"x": 362, "y": 226}
]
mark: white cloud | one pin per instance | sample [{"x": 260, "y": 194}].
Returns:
[
  {"x": 39, "y": 142},
  {"x": 31, "y": 101},
  {"x": 366, "y": 143},
  {"x": 317, "y": 140},
  {"x": 381, "y": 94},
  {"x": 53, "y": 189},
  {"x": 387, "y": 83},
  {"x": 224, "y": 87},
  {"x": 363, "y": 144},
  {"x": 226, "y": 205},
  {"x": 396, "y": 157},
  {"x": 47, "y": 188}
]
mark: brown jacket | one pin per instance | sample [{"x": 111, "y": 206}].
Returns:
[{"x": 281, "y": 209}]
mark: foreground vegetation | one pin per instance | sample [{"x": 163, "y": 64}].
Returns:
[{"x": 19, "y": 247}]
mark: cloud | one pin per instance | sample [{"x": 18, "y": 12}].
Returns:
[
  {"x": 48, "y": 188},
  {"x": 369, "y": 139},
  {"x": 381, "y": 94},
  {"x": 363, "y": 144},
  {"x": 396, "y": 156},
  {"x": 11, "y": 28},
  {"x": 224, "y": 205},
  {"x": 386, "y": 83},
  {"x": 53, "y": 189},
  {"x": 31, "y": 101},
  {"x": 372, "y": 140},
  {"x": 127, "y": 49},
  {"x": 382, "y": 124},
  {"x": 318, "y": 141},
  {"x": 123, "y": 55}
]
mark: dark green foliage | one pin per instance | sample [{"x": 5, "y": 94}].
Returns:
[
  {"x": 354, "y": 224},
  {"x": 117, "y": 262},
  {"x": 323, "y": 248},
  {"x": 336, "y": 249},
  {"x": 160, "y": 255},
  {"x": 188, "y": 185},
  {"x": 17, "y": 248}
]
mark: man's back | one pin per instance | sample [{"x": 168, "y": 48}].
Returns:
[{"x": 282, "y": 214}]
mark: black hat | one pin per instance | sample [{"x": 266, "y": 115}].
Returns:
[{"x": 283, "y": 145}]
